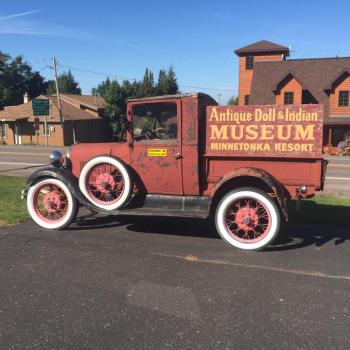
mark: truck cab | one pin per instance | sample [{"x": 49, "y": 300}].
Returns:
[{"x": 185, "y": 156}]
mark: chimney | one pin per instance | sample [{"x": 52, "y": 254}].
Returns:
[{"x": 26, "y": 98}]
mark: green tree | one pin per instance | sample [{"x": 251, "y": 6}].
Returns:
[
  {"x": 102, "y": 88},
  {"x": 115, "y": 100},
  {"x": 116, "y": 95},
  {"x": 233, "y": 101},
  {"x": 173, "y": 87},
  {"x": 167, "y": 82},
  {"x": 147, "y": 87},
  {"x": 66, "y": 84},
  {"x": 17, "y": 78},
  {"x": 162, "y": 85}
]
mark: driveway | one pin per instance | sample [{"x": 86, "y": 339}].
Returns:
[{"x": 157, "y": 283}]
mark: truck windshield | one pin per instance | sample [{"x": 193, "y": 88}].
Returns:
[{"x": 152, "y": 121}]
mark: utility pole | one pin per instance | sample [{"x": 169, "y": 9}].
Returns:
[
  {"x": 2, "y": 125},
  {"x": 46, "y": 133},
  {"x": 54, "y": 64},
  {"x": 219, "y": 99}
]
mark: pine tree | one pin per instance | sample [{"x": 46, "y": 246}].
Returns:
[
  {"x": 116, "y": 95},
  {"x": 66, "y": 84},
  {"x": 162, "y": 85},
  {"x": 147, "y": 86},
  {"x": 166, "y": 84},
  {"x": 173, "y": 87},
  {"x": 233, "y": 101}
]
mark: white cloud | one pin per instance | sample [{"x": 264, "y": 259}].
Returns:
[
  {"x": 15, "y": 24},
  {"x": 22, "y": 14},
  {"x": 43, "y": 29}
]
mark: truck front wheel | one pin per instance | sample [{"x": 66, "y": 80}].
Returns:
[
  {"x": 51, "y": 204},
  {"x": 247, "y": 218}
]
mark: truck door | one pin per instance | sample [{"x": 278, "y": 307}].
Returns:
[{"x": 156, "y": 153}]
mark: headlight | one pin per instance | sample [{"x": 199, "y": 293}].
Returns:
[{"x": 56, "y": 158}]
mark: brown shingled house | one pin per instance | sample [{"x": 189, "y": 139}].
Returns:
[
  {"x": 82, "y": 116},
  {"x": 266, "y": 76}
]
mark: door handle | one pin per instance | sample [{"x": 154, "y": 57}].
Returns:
[{"x": 177, "y": 155}]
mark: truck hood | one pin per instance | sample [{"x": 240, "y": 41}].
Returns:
[{"x": 81, "y": 153}]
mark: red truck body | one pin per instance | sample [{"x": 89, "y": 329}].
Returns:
[
  {"x": 199, "y": 169},
  {"x": 184, "y": 155}
]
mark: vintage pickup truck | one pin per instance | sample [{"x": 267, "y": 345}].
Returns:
[{"x": 185, "y": 156}]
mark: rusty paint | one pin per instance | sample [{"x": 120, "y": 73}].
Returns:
[{"x": 199, "y": 171}]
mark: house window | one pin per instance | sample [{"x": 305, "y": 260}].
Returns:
[
  {"x": 249, "y": 62},
  {"x": 48, "y": 129},
  {"x": 3, "y": 131},
  {"x": 246, "y": 100},
  {"x": 288, "y": 98},
  {"x": 343, "y": 99}
]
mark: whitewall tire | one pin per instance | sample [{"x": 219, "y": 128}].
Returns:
[
  {"x": 51, "y": 204},
  {"x": 105, "y": 182},
  {"x": 247, "y": 218}
]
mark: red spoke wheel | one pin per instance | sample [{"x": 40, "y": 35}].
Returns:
[
  {"x": 105, "y": 182},
  {"x": 248, "y": 219},
  {"x": 51, "y": 204}
]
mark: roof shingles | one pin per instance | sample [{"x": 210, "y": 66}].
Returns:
[
  {"x": 70, "y": 107},
  {"x": 315, "y": 74},
  {"x": 261, "y": 47}
]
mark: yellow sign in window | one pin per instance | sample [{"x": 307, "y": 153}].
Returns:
[{"x": 156, "y": 152}]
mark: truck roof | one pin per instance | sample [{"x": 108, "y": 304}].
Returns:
[{"x": 163, "y": 97}]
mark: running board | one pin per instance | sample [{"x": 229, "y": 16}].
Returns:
[
  {"x": 161, "y": 212},
  {"x": 165, "y": 205}
]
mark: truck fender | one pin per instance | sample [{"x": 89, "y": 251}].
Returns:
[
  {"x": 260, "y": 174},
  {"x": 67, "y": 178}
]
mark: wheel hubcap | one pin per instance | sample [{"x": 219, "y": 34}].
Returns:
[
  {"x": 247, "y": 220},
  {"x": 105, "y": 183},
  {"x": 50, "y": 203}
]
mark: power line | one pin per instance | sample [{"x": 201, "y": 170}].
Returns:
[
  {"x": 207, "y": 88},
  {"x": 129, "y": 78},
  {"x": 94, "y": 72}
]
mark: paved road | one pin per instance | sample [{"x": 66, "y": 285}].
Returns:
[
  {"x": 19, "y": 161},
  {"x": 338, "y": 177},
  {"x": 162, "y": 283}
]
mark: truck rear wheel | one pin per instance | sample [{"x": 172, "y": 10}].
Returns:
[
  {"x": 105, "y": 182},
  {"x": 247, "y": 218}
]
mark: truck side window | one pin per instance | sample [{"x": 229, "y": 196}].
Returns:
[{"x": 155, "y": 121}]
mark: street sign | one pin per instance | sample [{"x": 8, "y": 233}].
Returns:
[{"x": 40, "y": 106}]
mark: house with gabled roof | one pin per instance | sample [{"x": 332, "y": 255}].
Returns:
[
  {"x": 82, "y": 117},
  {"x": 268, "y": 76}
]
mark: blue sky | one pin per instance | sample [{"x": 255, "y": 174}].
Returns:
[{"x": 198, "y": 38}]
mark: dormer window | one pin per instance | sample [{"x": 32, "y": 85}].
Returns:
[
  {"x": 249, "y": 62},
  {"x": 343, "y": 100},
  {"x": 288, "y": 98}
]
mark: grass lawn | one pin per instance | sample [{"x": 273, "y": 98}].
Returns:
[
  {"x": 321, "y": 209},
  {"x": 12, "y": 208}
]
